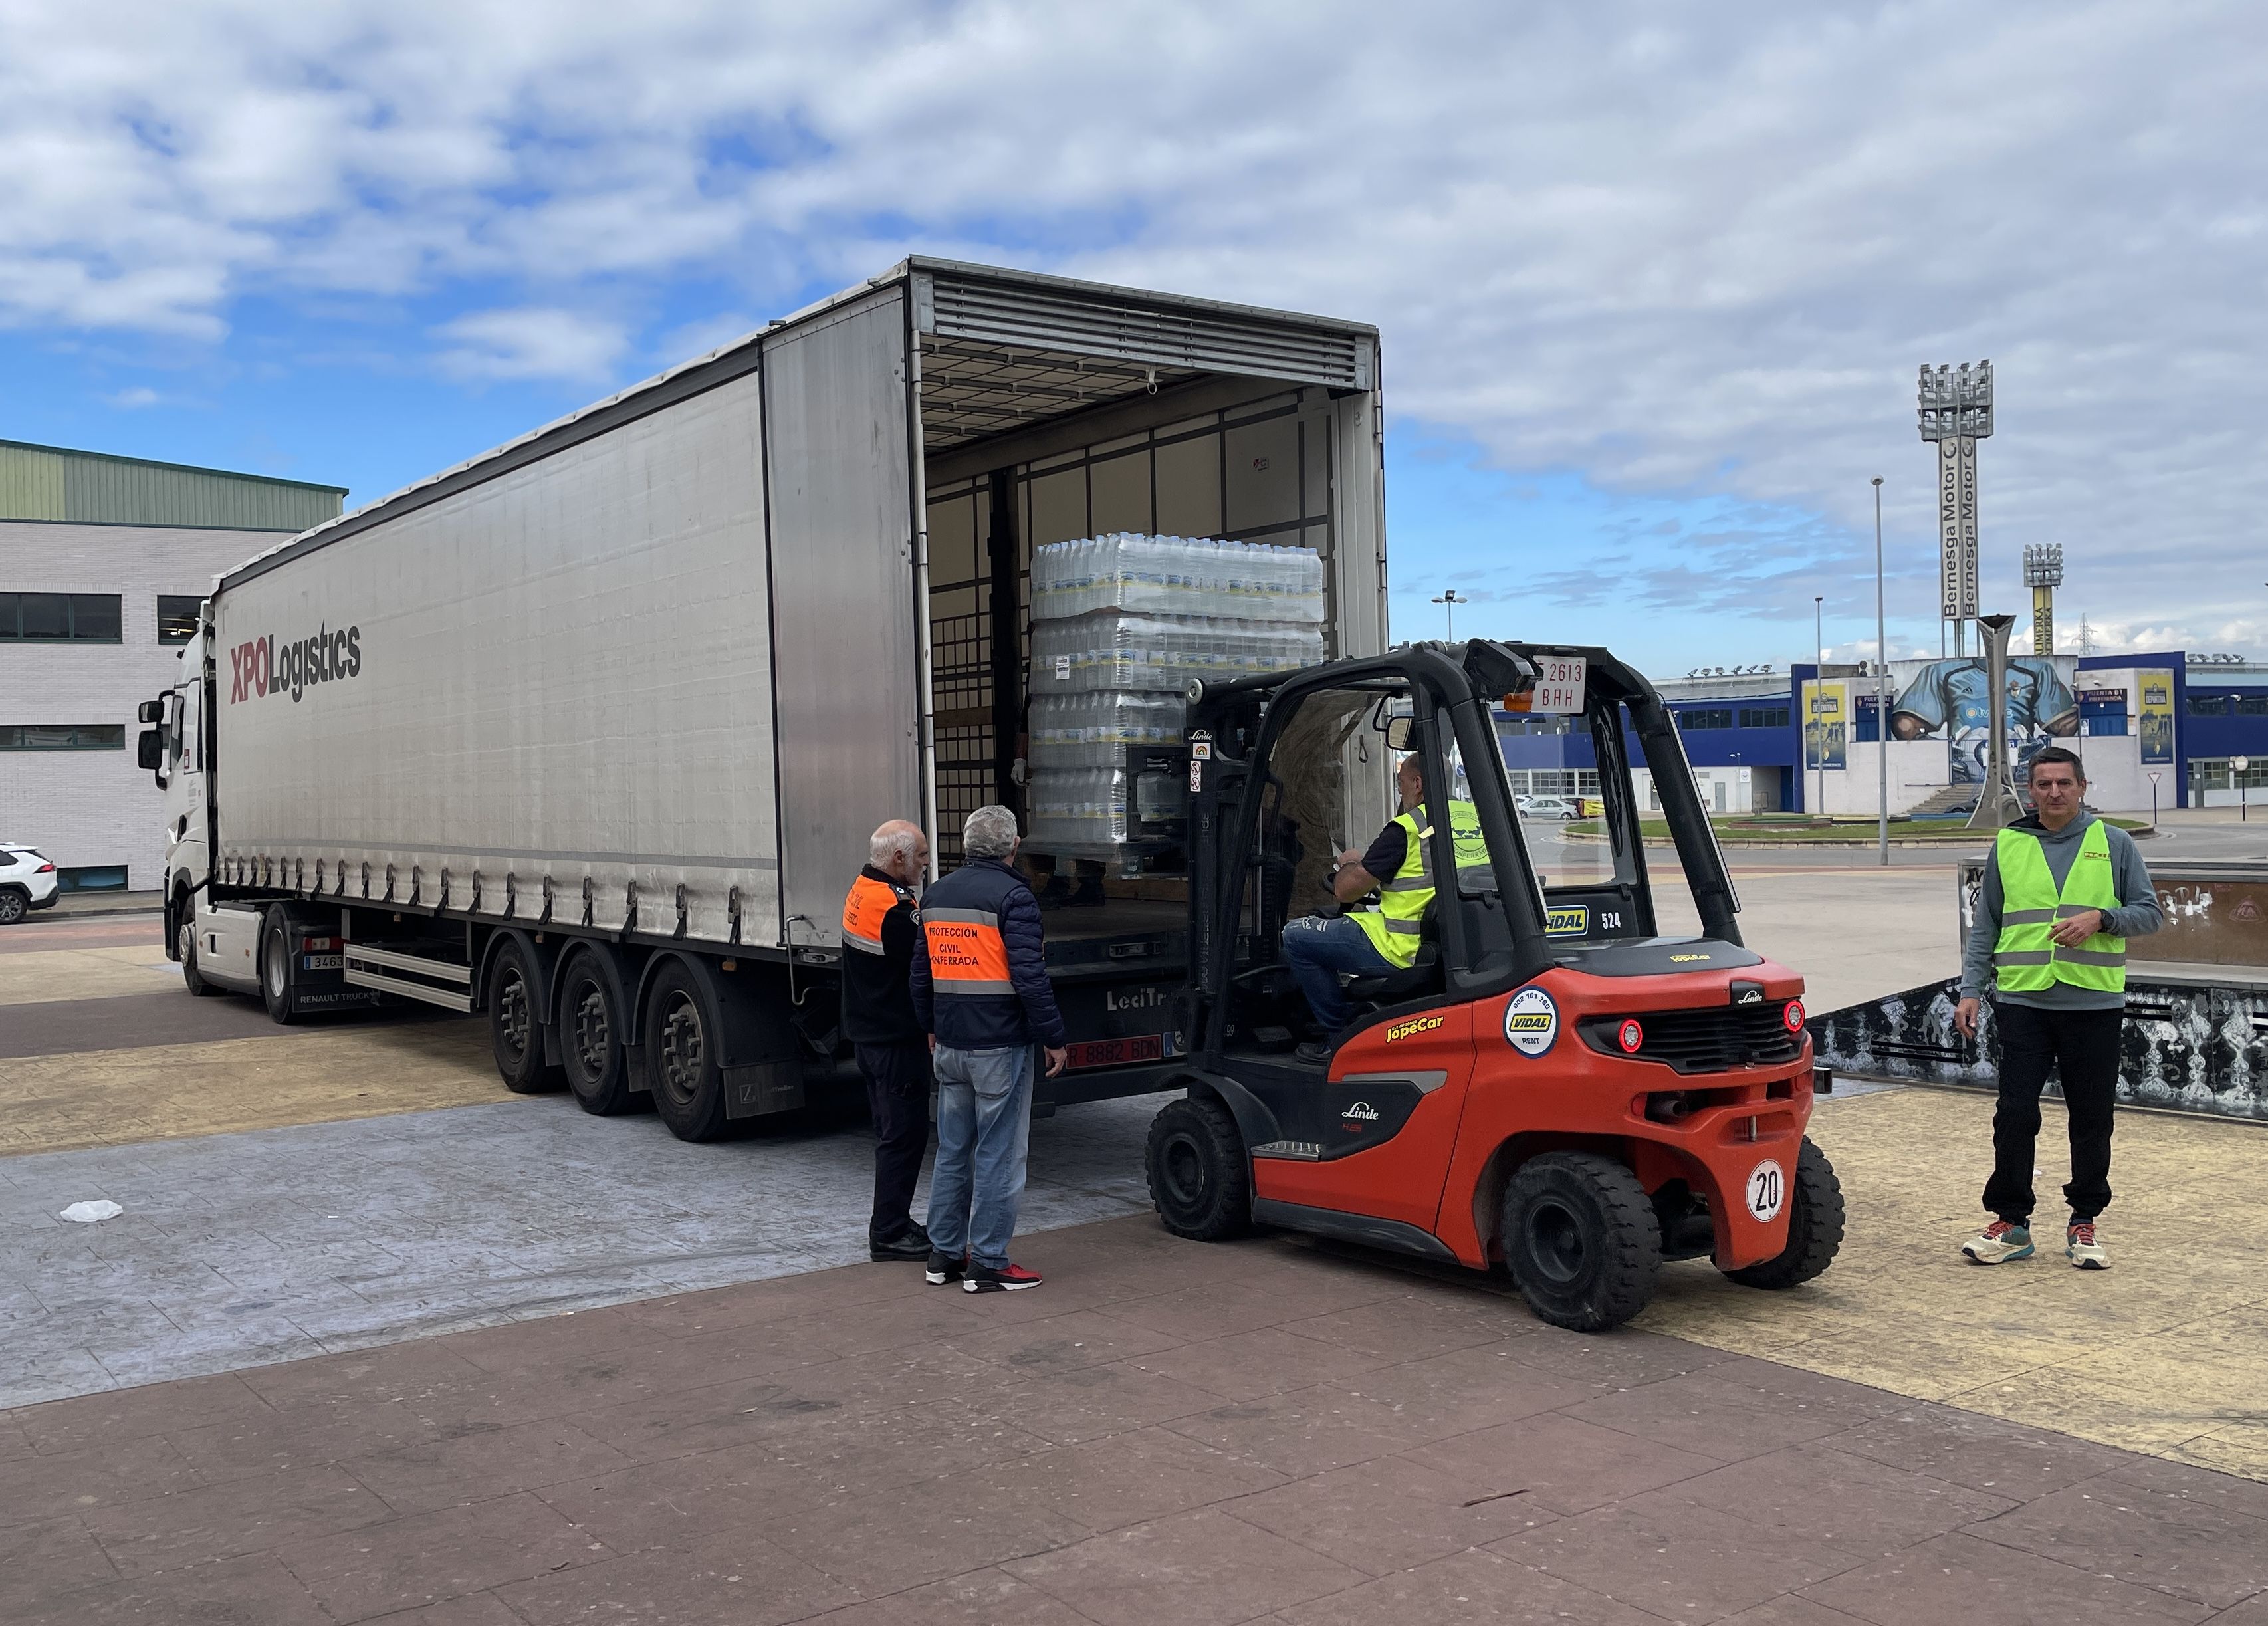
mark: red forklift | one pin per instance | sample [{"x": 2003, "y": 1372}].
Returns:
[{"x": 1553, "y": 1086}]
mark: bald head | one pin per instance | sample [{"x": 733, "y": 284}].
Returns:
[{"x": 899, "y": 849}]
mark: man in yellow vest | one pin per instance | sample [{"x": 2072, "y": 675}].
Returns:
[
  {"x": 2063, "y": 892},
  {"x": 1367, "y": 942}
]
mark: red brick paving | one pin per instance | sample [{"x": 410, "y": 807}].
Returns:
[{"x": 1165, "y": 1434}]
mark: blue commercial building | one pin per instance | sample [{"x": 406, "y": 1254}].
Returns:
[{"x": 2162, "y": 729}]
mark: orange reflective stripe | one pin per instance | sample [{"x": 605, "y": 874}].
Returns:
[
  {"x": 967, "y": 953},
  {"x": 862, "y": 911}
]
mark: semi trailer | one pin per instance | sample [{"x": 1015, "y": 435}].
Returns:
[{"x": 586, "y": 734}]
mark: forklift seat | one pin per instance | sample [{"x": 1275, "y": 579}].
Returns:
[{"x": 1423, "y": 976}]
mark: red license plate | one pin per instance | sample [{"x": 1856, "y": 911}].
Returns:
[{"x": 1116, "y": 1052}]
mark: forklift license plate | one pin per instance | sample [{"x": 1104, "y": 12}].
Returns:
[{"x": 1114, "y": 1052}]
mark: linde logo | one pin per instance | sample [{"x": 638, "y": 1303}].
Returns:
[
  {"x": 1362, "y": 1111},
  {"x": 264, "y": 667}
]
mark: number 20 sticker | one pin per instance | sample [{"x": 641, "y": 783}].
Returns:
[{"x": 1767, "y": 1189}]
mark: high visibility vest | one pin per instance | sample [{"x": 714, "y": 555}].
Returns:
[
  {"x": 967, "y": 953},
  {"x": 862, "y": 911},
  {"x": 2026, "y": 959},
  {"x": 1397, "y": 927}
]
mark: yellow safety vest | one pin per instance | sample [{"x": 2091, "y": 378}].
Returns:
[
  {"x": 2026, "y": 959},
  {"x": 1395, "y": 927}
]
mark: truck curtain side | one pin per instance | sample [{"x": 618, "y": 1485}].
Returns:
[{"x": 649, "y": 675}]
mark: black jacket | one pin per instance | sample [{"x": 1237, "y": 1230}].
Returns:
[
  {"x": 1023, "y": 1014},
  {"x": 877, "y": 1004}
]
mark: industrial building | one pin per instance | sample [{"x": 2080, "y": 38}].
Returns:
[
  {"x": 2169, "y": 725},
  {"x": 103, "y": 561}
]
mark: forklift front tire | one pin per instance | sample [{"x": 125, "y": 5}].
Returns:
[
  {"x": 1582, "y": 1241},
  {"x": 1815, "y": 1226},
  {"x": 1200, "y": 1178}
]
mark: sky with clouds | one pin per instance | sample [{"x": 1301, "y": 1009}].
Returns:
[{"x": 1653, "y": 278}]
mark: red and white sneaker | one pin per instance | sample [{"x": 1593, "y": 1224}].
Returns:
[{"x": 984, "y": 1279}]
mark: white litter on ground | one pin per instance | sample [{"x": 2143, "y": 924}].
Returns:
[{"x": 87, "y": 1213}]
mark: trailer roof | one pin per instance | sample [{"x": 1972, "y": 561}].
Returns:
[{"x": 1001, "y": 349}]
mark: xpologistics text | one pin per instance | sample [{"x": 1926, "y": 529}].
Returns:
[{"x": 264, "y": 667}]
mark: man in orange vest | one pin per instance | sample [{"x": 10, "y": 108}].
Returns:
[
  {"x": 980, "y": 984},
  {"x": 879, "y": 929}
]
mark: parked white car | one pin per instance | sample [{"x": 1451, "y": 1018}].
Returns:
[
  {"x": 1561, "y": 807},
  {"x": 28, "y": 882}
]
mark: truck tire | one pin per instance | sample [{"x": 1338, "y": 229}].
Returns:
[
  {"x": 1200, "y": 1175},
  {"x": 279, "y": 989},
  {"x": 590, "y": 1034},
  {"x": 186, "y": 942},
  {"x": 682, "y": 1050},
  {"x": 1815, "y": 1226},
  {"x": 1582, "y": 1240},
  {"x": 15, "y": 903},
  {"x": 516, "y": 1023}
]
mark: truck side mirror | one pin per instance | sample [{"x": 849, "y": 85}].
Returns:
[
  {"x": 151, "y": 711},
  {"x": 150, "y": 748},
  {"x": 1401, "y": 733}
]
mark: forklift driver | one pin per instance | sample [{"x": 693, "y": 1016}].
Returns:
[{"x": 1373, "y": 942}]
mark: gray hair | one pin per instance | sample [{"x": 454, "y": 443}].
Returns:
[
  {"x": 895, "y": 840},
  {"x": 991, "y": 833}
]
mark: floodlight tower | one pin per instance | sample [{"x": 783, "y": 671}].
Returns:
[
  {"x": 1956, "y": 413},
  {"x": 2044, "y": 574}
]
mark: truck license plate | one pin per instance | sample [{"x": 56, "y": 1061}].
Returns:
[
  {"x": 1115, "y": 1052},
  {"x": 323, "y": 962}
]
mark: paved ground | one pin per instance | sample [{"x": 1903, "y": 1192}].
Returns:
[{"x": 1164, "y": 1433}]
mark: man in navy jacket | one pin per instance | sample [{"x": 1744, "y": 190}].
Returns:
[{"x": 980, "y": 987}]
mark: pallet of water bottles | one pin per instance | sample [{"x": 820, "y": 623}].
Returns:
[{"x": 1177, "y": 576}]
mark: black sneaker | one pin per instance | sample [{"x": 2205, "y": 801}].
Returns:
[
  {"x": 943, "y": 1269},
  {"x": 1010, "y": 1279},
  {"x": 911, "y": 1247},
  {"x": 1313, "y": 1053}
]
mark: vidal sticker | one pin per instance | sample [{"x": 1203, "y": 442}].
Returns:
[
  {"x": 1531, "y": 1021},
  {"x": 1767, "y": 1189}
]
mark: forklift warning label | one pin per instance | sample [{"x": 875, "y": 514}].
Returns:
[
  {"x": 1568, "y": 922},
  {"x": 1531, "y": 1021}
]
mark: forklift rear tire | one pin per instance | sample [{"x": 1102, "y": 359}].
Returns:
[
  {"x": 1581, "y": 1239},
  {"x": 1815, "y": 1226},
  {"x": 1200, "y": 1178},
  {"x": 516, "y": 1024}
]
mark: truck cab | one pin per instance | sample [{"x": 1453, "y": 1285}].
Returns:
[{"x": 1554, "y": 1085}]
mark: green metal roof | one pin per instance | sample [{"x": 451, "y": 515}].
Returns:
[{"x": 61, "y": 485}]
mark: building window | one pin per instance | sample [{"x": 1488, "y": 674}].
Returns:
[
  {"x": 91, "y": 878},
  {"x": 1764, "y": 717},
  {"x": 59, "y": 617},
  {"x": 2208, "y": 705},
  {"x": 2252, "y": 705},
  {"x": 177, "y": 617},
  {"x": 63, "y": 736},
  {"x": 1706, "y": 716}
]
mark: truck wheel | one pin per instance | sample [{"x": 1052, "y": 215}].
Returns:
[
  {"x": 15, "y": 903},
  {"x": 516, "y": 1024},
  {"x": 192, "y": 979},
  {"x": 278, "y": 986},
  {"x": 1815, "y": 1226},
  {"x": 1583, "y": 1243},
  {"x": 1200, "y": 1178},
  {"x": 689, "y": 1085},
  {"x": 590, "y": 1034}
]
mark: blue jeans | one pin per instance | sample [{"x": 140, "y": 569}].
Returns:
[
  {"x": 983, "y": 1132},
  {"x": 1317, "y": 950}
]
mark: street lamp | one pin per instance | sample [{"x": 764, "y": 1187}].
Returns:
[
  {"x": 1882, "y": 684},
  {"x": 1818, "y": 687},
  {"x": 2239, "y": 767},
  {"x": 1956, "y": 408},
  {"x": 2044, "y": 574},
  {"x": 1449, "y": 601}
]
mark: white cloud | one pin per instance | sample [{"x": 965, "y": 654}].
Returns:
[
  {"x": 1669, "y": 249},
  {"x": 133, "y": 397},
  {"x": 532, "y": 343}
]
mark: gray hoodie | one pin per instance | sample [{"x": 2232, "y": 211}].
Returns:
[{"x": 2137, "y": 916}]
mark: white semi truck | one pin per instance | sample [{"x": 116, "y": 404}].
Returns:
[{"x": 586, "y": 734}]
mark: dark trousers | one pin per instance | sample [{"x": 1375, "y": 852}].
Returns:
[
  {"x": 2083, "y": 1048},
  {"x": 897, "y": 1093}
]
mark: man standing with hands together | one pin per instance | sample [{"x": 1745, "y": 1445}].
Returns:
[{"x": 2063, "y": 892}]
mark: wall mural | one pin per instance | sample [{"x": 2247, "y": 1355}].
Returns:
[{"x": 1950, "y": 700}]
